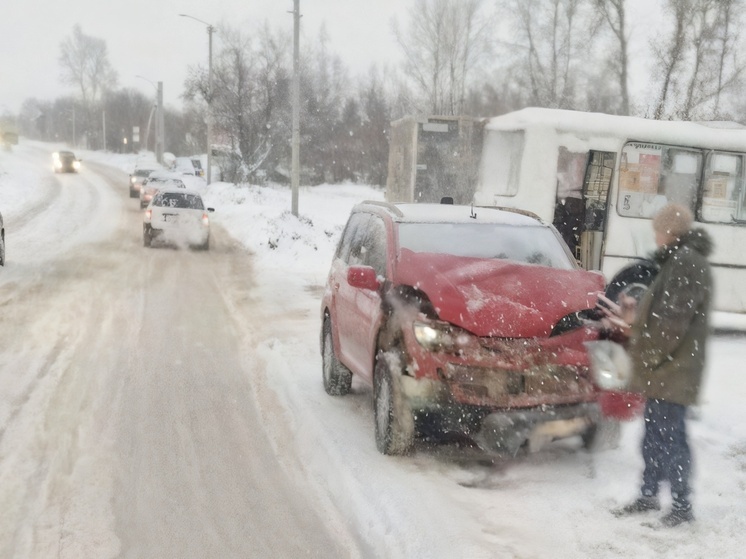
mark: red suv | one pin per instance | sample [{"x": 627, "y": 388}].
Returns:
[{"x": 467, "y": 319}]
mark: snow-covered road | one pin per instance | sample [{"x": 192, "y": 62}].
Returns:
[
  {"x": 162, "y": 403},
  {"x": 128, "y": 424}
]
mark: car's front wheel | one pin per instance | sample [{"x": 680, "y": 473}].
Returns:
[
  {"x": 147, "y": 237},
  {"x": 337, "y": 377},
  {"x": 393, "y": 417},
  {"x": 2, "y": 249}
]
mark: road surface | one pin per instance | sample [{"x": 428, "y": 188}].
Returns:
[{"x": 130, "y": 427}]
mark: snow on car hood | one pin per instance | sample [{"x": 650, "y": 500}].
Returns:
[{"x": 491, "y": 297}]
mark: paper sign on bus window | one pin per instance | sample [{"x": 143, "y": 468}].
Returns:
[
  {"x": 639, "y": 180},
  {"x": 685, "y": 163}
]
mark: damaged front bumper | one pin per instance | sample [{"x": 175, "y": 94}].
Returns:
[
  {"x": 508, "y": 394},
  {"x": 498, "y": 430},
  {"x": 508, "y": 431}
]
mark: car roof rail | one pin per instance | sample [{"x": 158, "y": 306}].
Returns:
[
  {"x": 386, "y": 205},
  {"x": 513, "y": 210}
]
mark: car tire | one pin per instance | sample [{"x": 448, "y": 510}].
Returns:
[
  {"x": 2, "y": 249},
  {"x": 147, "y": 238},
  {"x": 633, "y": 280},
  {"x": 605, "y": 434},
  {"x": 337, "y": 377},
  {"x": 394, "y": 421}
]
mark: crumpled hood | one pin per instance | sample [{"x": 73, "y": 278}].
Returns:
[{"x": 491, "y": 297}]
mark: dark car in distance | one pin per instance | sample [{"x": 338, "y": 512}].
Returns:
[
  {"x": 137, "y": 177},
  {"x": 65, "y": 162},
  {"x": 462, "y": 320}
]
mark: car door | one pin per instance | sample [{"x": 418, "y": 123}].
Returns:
[
  {"x": 367, "y": 312},
  {"x": 343, "y": 295}
]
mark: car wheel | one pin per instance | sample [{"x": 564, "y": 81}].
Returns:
[
  {"x": 602, "y": 435},
  {"x": 337, "y": 377},
  {"x": 2, "y": 249},
  {"x": 147, "y": 238},
  {"x": 393, "y": 418},
  {"x": 632, "y": 280}
]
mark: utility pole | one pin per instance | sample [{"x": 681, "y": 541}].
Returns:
[
  {"x": 75, "y": 144},
  {"x": 147, "y": 130},
  {"x": 159, "y": 139},
  {"x": 210, "y": 29},
  {"x": 295, "y": 179},
  {"x": 103, "y": 122}
]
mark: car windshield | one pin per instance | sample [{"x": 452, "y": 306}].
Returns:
[
  {"x": 178, "y": 200},
  {"x": 142, "y": 172},
  {"x": 527, "y": 244}
]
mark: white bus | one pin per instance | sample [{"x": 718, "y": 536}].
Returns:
[{"x": 600, "y": 178}]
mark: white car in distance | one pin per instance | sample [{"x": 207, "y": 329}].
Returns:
[
  {"x": 177, "y": 217},
  {"x": 156, "y": 181}
]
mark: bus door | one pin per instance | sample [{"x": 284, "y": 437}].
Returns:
[
  {"x": 583, "y": 181},
  {"x": 596, "y": 185}
]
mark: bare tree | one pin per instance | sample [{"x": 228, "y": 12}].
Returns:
[
  {"x": 442, "y": 44},
  {"x": 553, "y": 38},
  {"x": 85, "y": 64},
  {"x": 703, "y": 29},
  {"x": 698, "y": 60},
  {"x": 614, "y": 14},
  {"x": 670, "y": 52},
  {"x": 729, "y": 67},
  {"x": 248, "y": 75}
]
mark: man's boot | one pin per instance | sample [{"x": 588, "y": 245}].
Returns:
[{"x": 638, "y": 506}]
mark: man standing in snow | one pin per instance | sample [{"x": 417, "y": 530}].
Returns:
[{"x": 666, "y": 345}]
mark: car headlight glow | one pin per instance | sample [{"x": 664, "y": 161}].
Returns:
[
  {"x": 441, "y": 336},
  {"x": 76, "y": 165}
]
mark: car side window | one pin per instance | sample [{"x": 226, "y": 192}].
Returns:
[
  {"x": 352, "y": 239},
  {"x": 375, "y": 246}
]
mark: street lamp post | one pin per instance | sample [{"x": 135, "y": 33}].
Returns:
[
  {"x": 295, "y": 176},
  {"x": 210, "y": 30}
]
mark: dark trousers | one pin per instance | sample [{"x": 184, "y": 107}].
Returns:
[{"x": 666, "y": 451}]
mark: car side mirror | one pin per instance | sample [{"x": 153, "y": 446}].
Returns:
[
  {"x": 210, "y": 209},
  {"x": 363, "y": 277}
]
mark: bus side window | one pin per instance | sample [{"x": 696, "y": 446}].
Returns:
[
  {"x": 680, "y": 176},
  {"x": 722, "y": 194}
]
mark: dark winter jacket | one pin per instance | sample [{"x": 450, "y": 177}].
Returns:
[{"x": 668, "y": 340}]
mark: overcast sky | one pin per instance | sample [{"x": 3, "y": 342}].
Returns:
[{"x": 148, "y": 38}]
